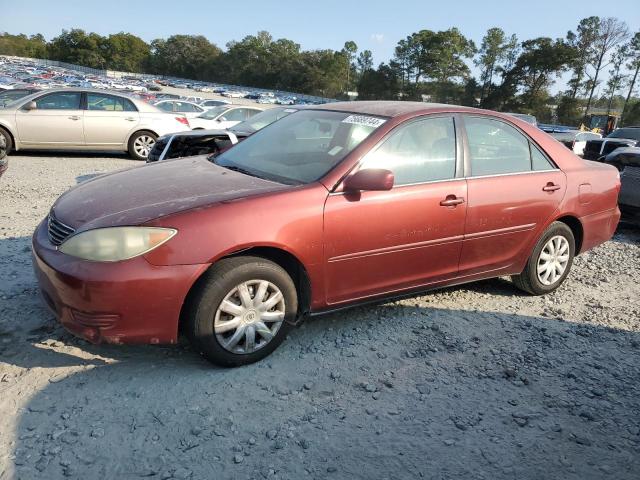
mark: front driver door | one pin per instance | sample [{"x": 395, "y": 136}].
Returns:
[
  {"x": 382, "y": 242},
  {"x": 56, "y": 122}
]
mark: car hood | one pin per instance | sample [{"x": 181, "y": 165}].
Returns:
[{"x": 141, "y": 194}]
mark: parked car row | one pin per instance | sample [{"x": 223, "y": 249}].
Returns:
[
  {"x": 574, "y": 140},
  {"x": 25, "y": 74}
]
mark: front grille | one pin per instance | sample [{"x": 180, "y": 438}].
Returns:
[{"x": 58, "y": 231}]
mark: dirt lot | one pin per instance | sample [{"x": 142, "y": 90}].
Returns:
[{"x": 474, "y": 382}]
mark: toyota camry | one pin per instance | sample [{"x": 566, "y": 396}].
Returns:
[{"x": 332, "y": 206}]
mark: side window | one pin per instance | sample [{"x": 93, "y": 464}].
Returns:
[
  {"x": 496, "y": 148},
  {"x": 251, "y": 112},
  {"x": 59, "y": 101},
  {"x": 235, "y": 115},
  {"x": 183, "y": 107},
  {"x": 538, "y": 160},
  {"x": 96, "y": 101},
  {"x": 128, "y": 105},
  {"x": 167, "y": 106},
  {"x": 423, "y": 151}
]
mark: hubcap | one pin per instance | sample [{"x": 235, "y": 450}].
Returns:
[
  {"x": 249, "y": 316},
  {"x": 553, "y": 260},
  {"x": 143, "y": 145}
]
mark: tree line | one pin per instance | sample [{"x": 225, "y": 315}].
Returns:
[{"x": 601, "y": 58}]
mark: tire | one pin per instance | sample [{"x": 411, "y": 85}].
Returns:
[
  {"x": 141, "y": 143},
  {"x": 218, "y": 284},
  {"x": 539, "y": 284},
  {"x": 6, "y": 143}
]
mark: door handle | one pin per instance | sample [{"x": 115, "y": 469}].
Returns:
[
  {"x": 551, "y": 187},
  {"x": 74, "y": 117},
  {"x": 451, "y": 201},
  {"x": 130, "y": 119}
]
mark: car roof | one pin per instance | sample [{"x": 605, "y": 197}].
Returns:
[
  {"x": 141, "y": 105},
  {"x": 386, "y": 108}
]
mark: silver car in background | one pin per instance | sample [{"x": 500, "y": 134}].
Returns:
[{"x": 85, "y": 119}]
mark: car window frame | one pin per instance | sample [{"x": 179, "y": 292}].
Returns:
[
  {"x": 81, "y": 104},
  {"x": 235, "y": 109},
  {"x": 468, "y": 173},
  {"x": 85, "y": 102},
  {"x": 460, "y": 153}
]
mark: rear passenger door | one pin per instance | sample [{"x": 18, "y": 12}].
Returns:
[
  {"x": 513, "y": 190},
  {"x": 108, "y": 120}
]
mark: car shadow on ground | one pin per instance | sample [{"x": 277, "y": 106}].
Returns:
[
  {"x": 387, "y": 391},
  {"x": 72, "y": 154}
]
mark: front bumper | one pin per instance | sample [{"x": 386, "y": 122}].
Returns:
[{"x": 121, "y": 302}]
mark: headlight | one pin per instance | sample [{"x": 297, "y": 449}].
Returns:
[{"x": 115, "y": 243}]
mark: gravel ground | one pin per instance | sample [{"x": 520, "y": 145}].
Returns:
[{"x": 474, "y": 382}]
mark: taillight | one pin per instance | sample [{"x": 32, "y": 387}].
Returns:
[{"x": 183, "y": 120}]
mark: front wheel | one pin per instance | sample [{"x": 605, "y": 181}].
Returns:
[
  {"x": 550, "y": 261},
  {"x": 5, "y": 143},
  {"x": 140, "y": 144},
  {"x": 240, "y": 310}
]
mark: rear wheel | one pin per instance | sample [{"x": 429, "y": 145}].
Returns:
[
  {"x": 6, "y": 144},
  {"x": 239, "y": 311},
  {"x": 550, "y": 261},
  {"x": 140, "y": 144}
]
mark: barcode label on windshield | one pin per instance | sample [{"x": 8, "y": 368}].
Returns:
[{"x": 364, "y": 120}]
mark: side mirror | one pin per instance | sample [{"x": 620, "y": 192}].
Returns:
[
  {"x": 369, "y": 179},
  {"x": 222, "y": 119},
  {"x": 31, "y": 105}
]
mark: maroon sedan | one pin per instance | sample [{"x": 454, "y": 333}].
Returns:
[{"x": 332, "y": 206}]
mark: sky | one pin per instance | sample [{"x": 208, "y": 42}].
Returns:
[{"x": 374, "y": 24}]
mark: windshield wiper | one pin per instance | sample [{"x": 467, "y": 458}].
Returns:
[{"x": 235, "y": 168}]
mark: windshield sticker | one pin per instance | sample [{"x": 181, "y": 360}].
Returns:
[
  {"x": 335, "y": 150},
  {"x": 364, "y": 120}
]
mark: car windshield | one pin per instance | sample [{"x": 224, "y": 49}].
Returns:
[
  {"x": 300, "y": 148},
  {"x": 262, "y": 119},
  {"x": 631, "y": 133},
  {"x": 212, "y": 113}
]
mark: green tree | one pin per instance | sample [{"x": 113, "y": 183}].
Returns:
[
  {"x": 34, "y": 46},
  {"x": 616, "y": 75},
  {"x": 492, "y": 51},
  {"x": 634, "y": 66},
  {"x": 541, "y": 60},
  {"x": 365, "y": 61},
  {"x": 78, "y": 47},
  {"x": 379, "y": 84},
  {"x": 582, "y": 42},
  {"x": 186, "y": 56},
  {"x": 611, "y": 33},
  {"x": 126, "y": 52}
]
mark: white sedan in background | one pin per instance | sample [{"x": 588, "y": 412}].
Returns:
[
  {"x": 233, "y": 94},
  {"x": 223, "y": 117},
  {"x": 188, "y": 109},
  {"x": 84, "y": 119}
]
